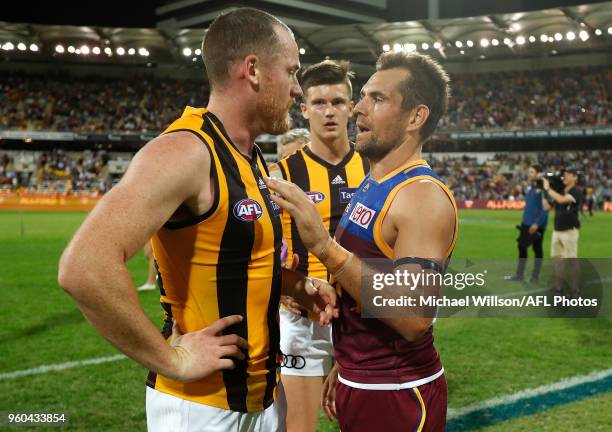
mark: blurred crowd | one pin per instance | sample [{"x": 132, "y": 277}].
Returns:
[
  {"x": 510, "y": 100},
  {"x": 500, "y": 177},
  {"x": 530, "y": 100},
  {"x": 504, "y": 176},
  {"x": 58, "y": 172},
  {"x": 35, "y": 102}
]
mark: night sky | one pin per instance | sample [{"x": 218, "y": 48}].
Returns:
[{"x": 132, "y": 13}]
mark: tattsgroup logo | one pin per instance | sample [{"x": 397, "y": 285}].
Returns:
[
  {"x": 248, "y": 210},
  {"x": 362, "y": 215},
  {"x": 316, "y": 197}
]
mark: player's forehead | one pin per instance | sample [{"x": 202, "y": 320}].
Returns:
[
  {"x": 288, "y": 49},
  {"x": 385, "y": 81},
  {"x": 328, "y": 92}
]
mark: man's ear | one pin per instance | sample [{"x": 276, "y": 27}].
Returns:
[
  {"x": 304, "y": 109},
  {"x": 418, "y": 117},
  {"x": 250, "y": 69}
]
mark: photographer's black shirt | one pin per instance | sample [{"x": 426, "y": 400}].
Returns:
[{"x": 566, "y": 215}]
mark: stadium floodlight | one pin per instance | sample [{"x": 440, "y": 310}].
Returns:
[
  {"x": 96, "y": 50},
  {"x": 187, "y": 52},
  {"x": 108, "y": 51},
  {"x": 71, "y": 49},
  {"x": 59, "y": 49},
  {"x": 469, "y": 43},
  {"x": 543, "y": 38},
  {"x": 558, "y": 37},
  {"x": 120, "y": 51},
  {"x": 8, "y": 46},
  {"x": 437, "y": 45},
  {"x": 598, "y": 32},
  {"x": 461, "y": 52},
  {"x": 194, "y": 59},
  {"x": 507, "y": 41},
  {"x": 142, "y": 51},
  {"x": 77, "y": 51},
  {"x": 551, "y": 39},
  {"x": 131, "y": 51},
  {"x": 494, "y": 42},
  {"x": 583, "y": 35},
  {"x": 302, "y": 51},
  {"x": 397, "y": 47},
  {"x": 458, "y": 44},
  {"x": 386, "y": 48},
  {"x": 21, "y": 46},
  {"x": 570, "y": 36},
  {"x": 610, "y": 30},
  {"x": 532, "y": 39},
  {"x": 425, "y": 46},
  {"x": 515, "y": 27},
  {"x": 85, "y": 50},
  {"x": 33, "y": 47},
  {"x": 484, "y": 42},
  {"x": 198, "y": 51},
  {"x": 520, "y": 40},
  {"x": 410, "y": 47}
]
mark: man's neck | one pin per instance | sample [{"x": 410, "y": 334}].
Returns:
[
  {"x": 396, "y": 158},
  {"x": 332, "y": 152},
  {"x": 238, "y": 124}
]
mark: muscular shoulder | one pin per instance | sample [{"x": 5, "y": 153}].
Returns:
[
  {"x": 422, "y": 200},
  {"x": 177, "y": 160}
]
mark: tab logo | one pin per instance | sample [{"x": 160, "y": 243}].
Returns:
[
  {"x": 261, "y": 183},
  {"x": 248, "y": 210},
  {"x": 346, "y": 194},
  {"x": 362, "y": 215},
  {"x": 316, "y": 197}
]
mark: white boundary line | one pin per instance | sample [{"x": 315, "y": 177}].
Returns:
[
  {"x": 525, "y": 394},
  {"x": 60, "y": 366}
]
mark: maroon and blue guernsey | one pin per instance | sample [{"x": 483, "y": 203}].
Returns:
[{"x": 369, "y": 353}]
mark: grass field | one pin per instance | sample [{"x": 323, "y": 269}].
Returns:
[{"x": 484, "y": 358}]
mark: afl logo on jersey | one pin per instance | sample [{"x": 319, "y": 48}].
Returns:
[
  {"x": 316, "y": 197},
  {"x": 362, "y": 215},
  {"x": 248, "y": 210}
]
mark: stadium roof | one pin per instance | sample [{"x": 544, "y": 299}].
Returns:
[{"x": 575, "y": 29}]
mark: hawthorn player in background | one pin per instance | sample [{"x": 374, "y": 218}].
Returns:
[
  {"x": 329, "y": 170},
  {"x": 388, "y": 374},
  {"x": 198, "y": 190}
]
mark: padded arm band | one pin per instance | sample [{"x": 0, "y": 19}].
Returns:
[{"x": 423, "y": 262}]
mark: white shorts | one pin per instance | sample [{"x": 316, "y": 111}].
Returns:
[
  {"x": 564, "y": 244},
  {"x": 167, "y": 413},
  {"x": 306, "y": 346}
]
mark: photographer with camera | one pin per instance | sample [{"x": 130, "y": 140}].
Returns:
[
  {"x": 567, "y": 200},
  {"x": 532, "y": 227}
]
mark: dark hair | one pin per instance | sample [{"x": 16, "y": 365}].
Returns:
[
  {"x": 327, "y": 72},
  {"x": 427, "y": 84},
  {"x": 236, "y": 34},
  {"x": 536, "y": 167}
]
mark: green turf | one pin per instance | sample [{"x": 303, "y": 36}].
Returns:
[{"x": 483, "y": 358}]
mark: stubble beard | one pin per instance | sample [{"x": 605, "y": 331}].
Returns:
[
  {"x": 274, "y": 114},
  {"x": 375, "y": 150}
]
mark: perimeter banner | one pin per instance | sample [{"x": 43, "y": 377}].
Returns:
[{"x": 49, "y": 202}]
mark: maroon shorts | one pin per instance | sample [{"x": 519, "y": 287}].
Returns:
[{"x": 418, "y": 409}]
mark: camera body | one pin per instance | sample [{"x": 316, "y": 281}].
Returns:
[{"x": 555, "y": 180}]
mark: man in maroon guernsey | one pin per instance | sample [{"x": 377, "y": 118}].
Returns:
[{"x": 388, "y": 374}]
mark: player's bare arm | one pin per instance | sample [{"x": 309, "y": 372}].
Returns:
[
  {"x": 425, "y": 232},
  {"x": 169, "y": 176}
]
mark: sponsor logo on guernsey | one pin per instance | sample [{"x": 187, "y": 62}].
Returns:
[
  {"x": 362, "y": 215},
  {"x": 248, "y": 210},
  {"x": 261, "y": 183},
  {"x": 338, "y": 180},
  {"x": 276, "y": 210},
  {"x": 316, "y": 197},
  {"x": 346, "y": 194}
]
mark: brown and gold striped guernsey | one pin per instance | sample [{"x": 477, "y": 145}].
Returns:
[
  {"x": 330, "y": 187},
  {"x": 225, "y": 262}
]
